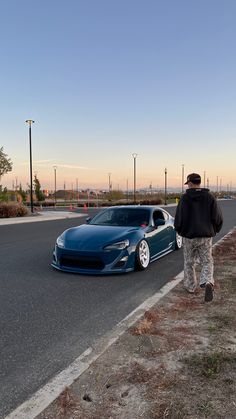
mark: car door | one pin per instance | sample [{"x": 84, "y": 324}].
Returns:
[{"x": 159, "y": 236}]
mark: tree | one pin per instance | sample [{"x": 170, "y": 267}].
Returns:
[
  {"x": 37, "y": 187},
  {"x": 4, "y": 196},
  {"x": 22, "y": 193},
  {"x": 5, "y": 163}
]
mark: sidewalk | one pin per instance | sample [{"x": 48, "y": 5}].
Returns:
[
  {"x": 42, "y": 216},
  {"x": 178, "y": 361}
]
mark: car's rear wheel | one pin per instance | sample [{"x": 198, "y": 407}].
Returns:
[
  {"x": 142, "y": 255},
  {"x": 178, "y": 241}
]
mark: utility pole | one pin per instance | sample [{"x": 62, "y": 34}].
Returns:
[
  {"x": 30, "y": 122},
  {"x": 165, "y": 186},
  {"x": 182, "y": 178},
  {"x": 55, "y": 185},
  {"x": 134, "y": 157}
]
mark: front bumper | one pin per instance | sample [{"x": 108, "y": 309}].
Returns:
[{"x": 94, "y": 263}]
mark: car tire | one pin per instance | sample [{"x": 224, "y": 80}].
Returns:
[
  {"x": 178, "y": 241},
  {"x": 142, "y": 255}
]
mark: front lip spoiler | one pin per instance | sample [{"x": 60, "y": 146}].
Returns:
[{"x": 92, "y": 272}]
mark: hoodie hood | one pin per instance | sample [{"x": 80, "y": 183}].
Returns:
[{"x": 197, "y": 194}]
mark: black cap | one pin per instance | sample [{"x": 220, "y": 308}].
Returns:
[{"x": 193, "y": 178}]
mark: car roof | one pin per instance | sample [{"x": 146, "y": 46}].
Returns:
[{"x": 148, "y": 207}]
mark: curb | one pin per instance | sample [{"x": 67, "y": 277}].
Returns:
[{"x": 41, "y": 217}]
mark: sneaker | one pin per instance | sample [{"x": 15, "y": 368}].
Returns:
[
  {"x": 188, "y": 290},
  {"x": 208, "y": 292}
]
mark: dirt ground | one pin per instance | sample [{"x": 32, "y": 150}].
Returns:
[{"x": 178, "y": 362}]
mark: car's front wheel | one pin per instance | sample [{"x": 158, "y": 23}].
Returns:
[
  {"x": 178, "y": 241},
  {"x": 142, "y": 255}
]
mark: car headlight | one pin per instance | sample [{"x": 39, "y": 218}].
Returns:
[
  {"x": 61, "y": 241},
  {"x": 117, "y": 246}
]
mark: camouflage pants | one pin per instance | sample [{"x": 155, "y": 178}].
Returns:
[{"x": 198, "y": 250}]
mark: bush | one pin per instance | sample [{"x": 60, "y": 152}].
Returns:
[
  {"x": 154, "y": 201},
  {"x": 8, "y": 210}
]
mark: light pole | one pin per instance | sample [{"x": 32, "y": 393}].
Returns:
[
  {"x": 134, "y": 157},
  {"x": 182, "y": 178},
  {"x": 55, "y": 184},
  {"x": 64, "y": 191},
  {"x": 109, "y": 182},
  {"x": 30, "y": 122},
  {"x": 204, "y": 184},
  {"x": 165, "y": 185},
  {"x": 77, "y": 189}
]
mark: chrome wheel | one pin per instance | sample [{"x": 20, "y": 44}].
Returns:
[
  {"x": 143, "y": 255},
  {"x": 178, "y": 241}
]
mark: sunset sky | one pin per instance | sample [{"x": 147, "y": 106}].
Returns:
[{"x": 107, "y": 78}]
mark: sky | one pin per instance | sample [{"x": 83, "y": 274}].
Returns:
[{"x": 104, "y": 79}]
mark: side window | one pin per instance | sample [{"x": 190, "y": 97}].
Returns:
[{"x": 158, "y": 215}]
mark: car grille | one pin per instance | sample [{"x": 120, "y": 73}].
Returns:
[{"x": 83, "y": 262}]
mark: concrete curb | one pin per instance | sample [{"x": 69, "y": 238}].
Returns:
[{"x": 50, "y": 216}]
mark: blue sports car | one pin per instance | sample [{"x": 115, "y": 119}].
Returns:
[{"x": 117, "y": 239}]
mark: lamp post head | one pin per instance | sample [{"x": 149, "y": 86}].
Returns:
[
  {"x": 29, "y": 121},
  {"x": 134, "y": 155}
]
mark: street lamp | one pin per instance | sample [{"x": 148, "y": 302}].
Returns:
[
  {"x": 77, "y": 189},
  {"x": 109, "y": 182},
  {"x": 134, "y": 157},
  {"x": 182, "y": 178},
  {"x": 165, "y": 185},
  {"x": 55, "y": 184},
  {"x": 30, "y": 122}
]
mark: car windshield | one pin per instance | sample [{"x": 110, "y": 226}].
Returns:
[{"x": 122, "y": 217}]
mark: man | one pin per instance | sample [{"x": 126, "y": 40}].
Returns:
[{"x": 198, "y": 218}]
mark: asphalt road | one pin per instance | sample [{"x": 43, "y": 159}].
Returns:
[{"x": 48, "y": 318}]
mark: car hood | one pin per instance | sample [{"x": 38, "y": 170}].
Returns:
[{"x": 94, "y": 237}]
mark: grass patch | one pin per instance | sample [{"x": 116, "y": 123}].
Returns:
[
  {"x": 205, "y": 408},
  {"x": 222, "y": 320},
  {"x": 212, "y": 328},
  {"x": 171, "y": 410},
  {"x": 210, "y": 364}
]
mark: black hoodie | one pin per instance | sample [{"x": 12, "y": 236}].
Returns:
[{"x": 198, "y": 214}]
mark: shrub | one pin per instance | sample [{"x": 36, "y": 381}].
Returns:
[
  {"x": 154, "y": 201},
  {"x": 8, "y": 210}
]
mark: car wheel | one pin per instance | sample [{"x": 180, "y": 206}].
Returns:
[
  {"x": 142, "y": 255},
  {"x": 178, "y": 241}
]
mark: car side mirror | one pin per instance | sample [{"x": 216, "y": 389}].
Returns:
[
  {"x": 159, "y": 222},
  {"x": 88, "y": 220}
]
